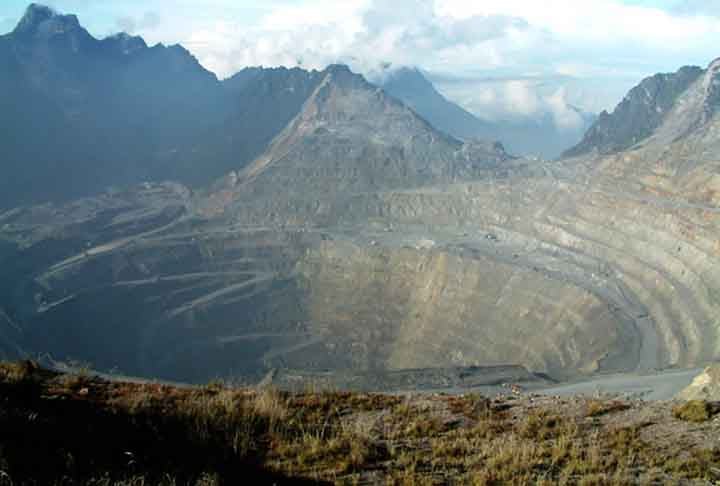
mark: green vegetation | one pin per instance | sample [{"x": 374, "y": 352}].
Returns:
[
  {"x": 62, "y": 429},
  {"x": 696, "y": 411}
]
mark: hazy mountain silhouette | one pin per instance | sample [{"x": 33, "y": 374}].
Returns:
[
  {"x": 538, "y": 136},
  {"x": 86, "y": 113}
]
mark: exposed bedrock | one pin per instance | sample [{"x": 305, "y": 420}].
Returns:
[
  {"x": 407, "y": 308},
  {"x": 535, "y": 271},
  {"x": 241, "y": 305},
  {"x": 658, "y": 266}
]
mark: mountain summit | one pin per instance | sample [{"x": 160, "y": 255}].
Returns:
[
  {"x": 110, "y": 111},
  {"x": 349, "y": 138},
  {"x": 412, "y": 87},
  {"x": 116, "y": 111},
  {"x": 641, "y": 111},
  {"x": 533, "y": 137},
  {"x": 39, "y": 19}
]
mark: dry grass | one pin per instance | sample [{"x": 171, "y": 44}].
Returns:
[
  {"x": 350, "y": 438},
  {"x": 598, "y": 408},
  {"x": 16, "y": 373}
]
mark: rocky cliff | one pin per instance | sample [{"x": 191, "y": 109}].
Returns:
[
  {"x": 638, "y": 115},
  {"x": 349, "y": 138},
  {"x": 115, "y": 111},
  {"x": 705, "y": 387}
]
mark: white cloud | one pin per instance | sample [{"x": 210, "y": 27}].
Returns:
[
  {"x": 564, "y": 116},
  {"x": 362, "y": 33},
  {"x": 129, "y": 24},
  {"x": 520, "y": 99},
  {"x": 516, "y": 100},
  {"x": 605, "y": 43},
  {"x": 595, "y": 21}
]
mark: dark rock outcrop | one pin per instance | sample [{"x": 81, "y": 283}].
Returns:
[
  {"x": 638, "y": 115},
  {"x": 89, "y": 113},
  {"x": 414, "y": 89}
]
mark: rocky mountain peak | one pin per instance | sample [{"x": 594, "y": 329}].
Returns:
[
  {"x": 35, "y": 14},
  {"x": 712, "y": 88},
  {"x": 40, "y": 20},
  {"x": 341, "y": 75},
  {"x": 714, "y": 66},
  {"x": 125, "y": 43},
  {"x": 349, "y": 138},
  {"x": 640, "y": 113},
  {"x": 410, "y": 78}
]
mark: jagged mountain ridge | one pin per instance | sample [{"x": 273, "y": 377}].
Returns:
[
  {"x": 414, "y": 89},
  {"x": 536, "y": 137},
  {"x": 638, "y": 114},
  {"x": 115, "y": 107},
  {"x": 350, "y": 137},
  {"x": 115, "y": 111}
]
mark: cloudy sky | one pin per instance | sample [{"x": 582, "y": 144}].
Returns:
[{"x": 498, "y": 58}]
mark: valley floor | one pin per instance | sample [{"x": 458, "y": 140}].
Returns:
[{"x": 81, "y": 429}]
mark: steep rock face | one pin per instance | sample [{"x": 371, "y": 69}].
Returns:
[
  {"x": 349, "y": 137},
  {"x": 638, "y": 115},
  {"x": 408, "y": 308},
  {"x": 260, "y": 104},
  {"x": 115, "y": 111},
  {"x": 415, "y": 90},
  {"x": 110, "y": 112}
]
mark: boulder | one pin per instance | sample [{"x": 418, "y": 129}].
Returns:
[{"x": 706, "y": 386}]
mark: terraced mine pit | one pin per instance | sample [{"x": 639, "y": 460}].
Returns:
[
  {"x": 365, "y": 248},
  {"x": 452, "y": 276},
  {"x": 566, "y": 278}
]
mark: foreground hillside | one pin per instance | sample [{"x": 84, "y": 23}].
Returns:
[{"x": 78, "y": 429}]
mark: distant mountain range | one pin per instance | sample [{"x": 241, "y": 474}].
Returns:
[
  {"x": 538, "y": 136},
  {"x": 86, "y": 113},
  {"x": 90, "y": 113}
]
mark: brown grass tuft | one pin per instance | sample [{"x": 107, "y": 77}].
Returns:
[{"x": 598, "y": 408}]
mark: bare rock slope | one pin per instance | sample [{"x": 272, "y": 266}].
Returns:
[{"x": 705, "y": 387}]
